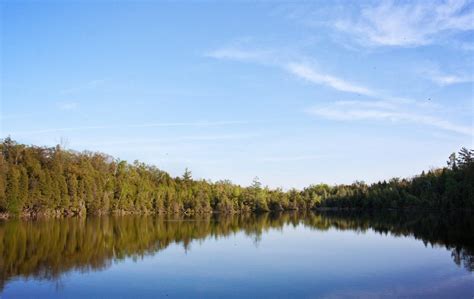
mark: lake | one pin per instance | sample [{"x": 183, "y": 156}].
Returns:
[{"x": 290, "y": 255}]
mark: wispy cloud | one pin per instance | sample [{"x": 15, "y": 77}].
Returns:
[
  {"x": 356, "y": 112},
  {"x": 16, "y": 116},
  {"x": 166, "y": 147},
  {"x": 147, "y": 125},
  {"x": 434, "y": 74},
  {"x": 292, "y": 158},
  {"x": 301, "y": 70},
  {"x": 67, "y": 105},
  {"x": 451, "y": 79},
  {"x": 234, "y": 53},
  {"x": 380, "y": 106},
  {"x": 409, "y": 24},
  {"x": 369, "y": 104},
  {"x": 466, "y": 46},
  {"x": 309, "y": 74},
  {"x": 168, "y": 140},
  {"x": 86, "y": 86}
]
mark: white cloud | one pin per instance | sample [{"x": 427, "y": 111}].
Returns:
[
  {"x": 298, "y": 69},
  {"x": 409, "y": 24},
  {"x": 466, "y": 46},
  {"x": 380, "y": 107},
  {"x": 291, "y": 158},
  {"x": 369, "y": 104},
  {"x": 67, "y": 105},
  {"x": 4, "y": 117},
  {"x": 84, "y": 87},
  {"x": 450, "y": 79},
  {"x": 167, "y": 140},
  {"x": 434, "y": 74},
  {"x": 132, "y": 126},
  {"x": 357, "y": 113},
  {"x": 309, "y": 74},
  {"x": 232, "y": 53}
]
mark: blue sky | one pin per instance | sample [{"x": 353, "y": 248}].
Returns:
[{"x": 292, "y": 92}]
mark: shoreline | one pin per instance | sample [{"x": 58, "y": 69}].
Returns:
[{"x": 61, "y": 215}]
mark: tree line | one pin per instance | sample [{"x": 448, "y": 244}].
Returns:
[
  {"x": 53, "y": 181},
  {"x": 447, "y": 188}
]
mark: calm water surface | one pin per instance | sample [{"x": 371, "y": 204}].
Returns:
[{"x": 329, "y": 255}]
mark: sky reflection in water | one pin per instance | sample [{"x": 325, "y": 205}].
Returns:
[{"x": 306, "y": 256}]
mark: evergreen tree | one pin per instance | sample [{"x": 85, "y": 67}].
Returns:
[
  {"x": 187, "y": 175},
  {"x": 39, "y": 180}
]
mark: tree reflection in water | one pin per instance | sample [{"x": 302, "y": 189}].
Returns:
[{"x": 44, "y": 249}]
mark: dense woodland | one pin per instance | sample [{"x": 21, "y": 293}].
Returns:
[{"x": 53, "y": 181}]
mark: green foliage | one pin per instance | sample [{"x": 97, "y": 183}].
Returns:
[
  {"x": 187, "y": 176},
  {"x": 52, "y": 181},
  {"x": 446, "y": 188}
]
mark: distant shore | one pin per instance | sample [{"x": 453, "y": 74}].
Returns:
[{"x": 53, "y": 182}]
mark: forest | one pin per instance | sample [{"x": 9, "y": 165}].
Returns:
[{"x": 52, "y": 181}]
